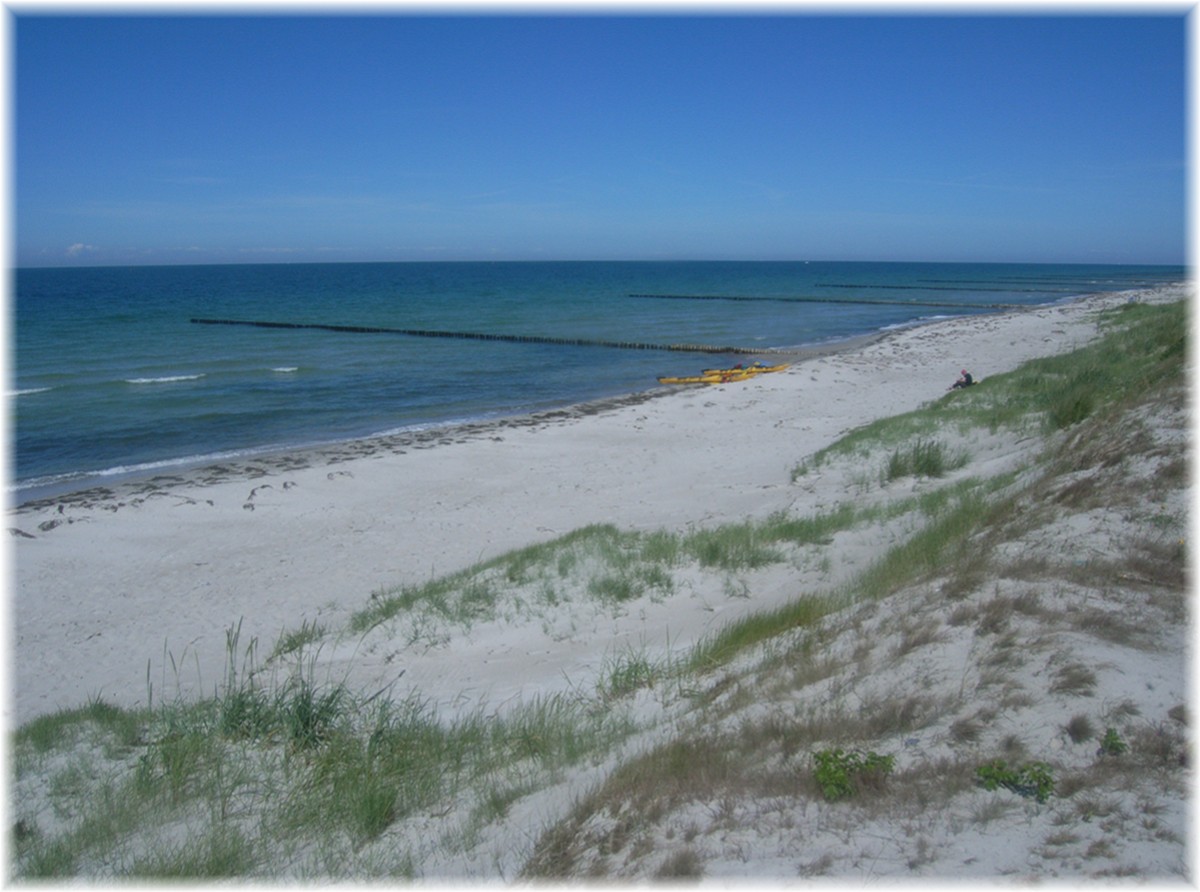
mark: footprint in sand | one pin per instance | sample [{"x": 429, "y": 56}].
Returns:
[
  {"x": 287, "y": 484},
  {"x": 249, "y": 505}
]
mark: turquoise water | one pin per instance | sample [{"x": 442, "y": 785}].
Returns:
[{"x": 112, "y": 377}]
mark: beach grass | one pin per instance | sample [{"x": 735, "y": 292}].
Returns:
[
  {"x": 964, "y": 520},
  {"x": 923, "y": 458},
  {"x": 1140, "y": 351},
  {"x": 288, "y": 774},
  {"x": 599, "y": 562},
  {"x": 291, "y": 641},
  {"x": 320, "y": 765}
]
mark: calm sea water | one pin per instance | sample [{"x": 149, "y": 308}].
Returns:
[{"x": 111, "y": 377}]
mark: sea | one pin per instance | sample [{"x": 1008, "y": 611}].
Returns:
[{"x": 111, "y": 375}]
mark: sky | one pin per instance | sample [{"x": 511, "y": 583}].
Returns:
[{"x": 400, "y": 135}]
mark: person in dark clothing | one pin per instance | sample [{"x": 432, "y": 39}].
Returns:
[{"x": 965, "y": 381}]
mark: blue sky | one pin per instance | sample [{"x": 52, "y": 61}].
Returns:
[{"x": 791, "y": 135}]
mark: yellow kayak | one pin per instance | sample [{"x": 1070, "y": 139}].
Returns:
[
  {"x": 719, "y": 378},
  {"x": 757, "y": 369},
  {"x": 723, "y": 376}
]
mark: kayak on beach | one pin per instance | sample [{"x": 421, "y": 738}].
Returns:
[
  {"x": 724, "y": 376},
  {"x": 757, "y": 369},
  {"x": 706, "y": 379}
]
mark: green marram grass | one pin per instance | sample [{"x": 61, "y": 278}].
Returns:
[
  {"x": 923, "y": 458},
  {"x": 322, "y": 768},
  {"x": 1141, "y": 349},
  {"x": 612, "y": 565}
]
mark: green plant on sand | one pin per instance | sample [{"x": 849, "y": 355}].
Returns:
[
  {"x": 843, "y": 774},
  {"x": 1028, "y": 779}
]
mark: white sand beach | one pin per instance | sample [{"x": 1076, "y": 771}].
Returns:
[
  {"x": 131, "y": 590},
  {"x": 112, "y": 581}
]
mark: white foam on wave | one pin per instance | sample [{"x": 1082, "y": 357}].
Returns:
[
  {"x": 167, "y": 379},
  {"x": 27, "y": 391},
  {"x": 287, "y": 369},
  {"x": 920, "y": 320}
]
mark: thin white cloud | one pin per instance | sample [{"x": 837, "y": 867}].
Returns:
[{"x": 79, "y": 248}]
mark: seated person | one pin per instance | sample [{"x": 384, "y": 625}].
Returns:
[{"x": 965, "y": 381}]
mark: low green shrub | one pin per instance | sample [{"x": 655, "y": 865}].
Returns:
[
  {"x": 1030, "y": 779},
  {"x": 843, "y": 774}
]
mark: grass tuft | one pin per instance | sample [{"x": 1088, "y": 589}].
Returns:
[
  {"x": 922, "y": 458},
  {"x": 731, "y": 640},
  {"x": 297, "y": 639},
  {"x": 626, "y": 674},
  {"x": 1079, "y": 729}
]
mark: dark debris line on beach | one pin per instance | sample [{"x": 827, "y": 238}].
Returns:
[{"x": 485, "y": 336}]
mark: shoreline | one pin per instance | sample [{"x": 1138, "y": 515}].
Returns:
[
  {"x": 97, "y": 488},
  {"x": 114, "y": 593}
]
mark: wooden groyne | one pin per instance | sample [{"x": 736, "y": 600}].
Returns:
[
  {"x": 834, "y": 300},
  {"x": 489, "y": 336},
  {"x": 1004, "y": 289}
]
